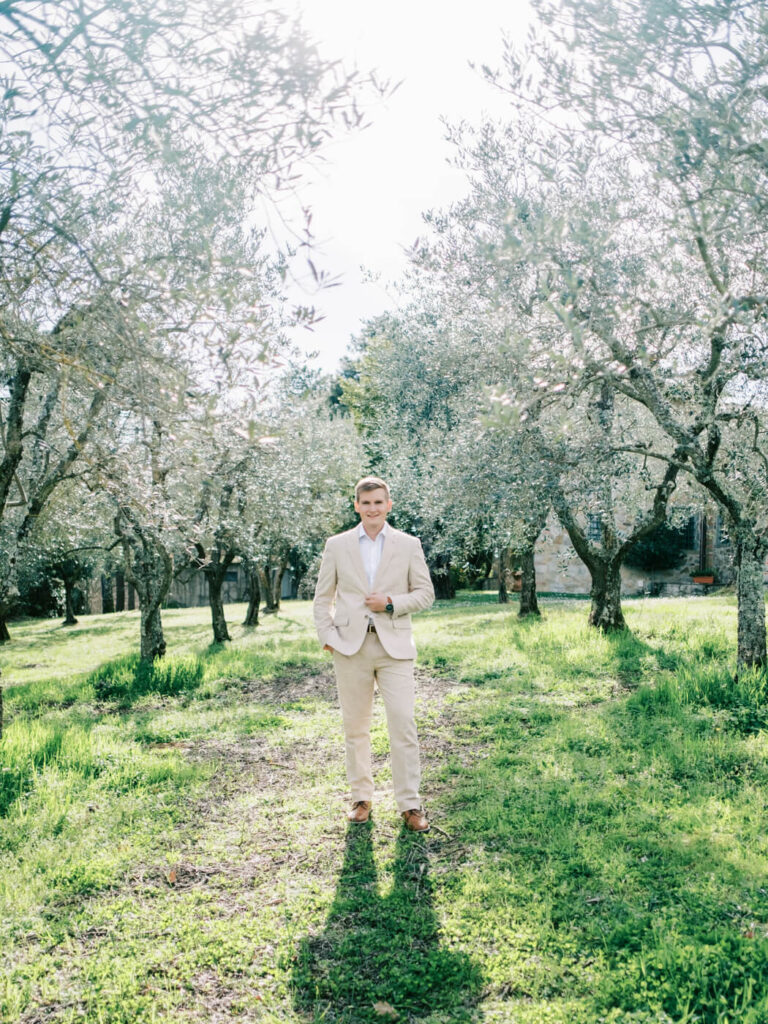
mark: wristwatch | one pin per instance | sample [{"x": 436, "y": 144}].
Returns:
[{"x": 389, "y": 607}]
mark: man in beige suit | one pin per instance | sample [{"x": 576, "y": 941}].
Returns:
[{"x": 371, "y": 579}]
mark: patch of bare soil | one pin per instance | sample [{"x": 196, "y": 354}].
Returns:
[
  {"x": 288, "y": 689},
  {"x": 253, "y": 765},
  {"x": 435, "y": 688},
  {"x": 212, "y": 1000}
]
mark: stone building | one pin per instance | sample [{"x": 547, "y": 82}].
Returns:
[
  {"x": 705, "y": 543},
  {"x": 110, "y": 594}
]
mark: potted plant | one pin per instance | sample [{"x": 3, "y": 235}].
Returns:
[{"x": 704, "y": 576}]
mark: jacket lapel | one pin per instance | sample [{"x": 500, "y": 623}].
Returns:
[
  {"x": 355, "y": 558},
  {"x": 386, "y": 556}
]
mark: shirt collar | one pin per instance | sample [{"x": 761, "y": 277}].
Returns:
[{"x": 382, "y": 532}]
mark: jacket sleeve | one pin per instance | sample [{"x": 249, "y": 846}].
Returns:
[
  {"x": 325, "y": 593},
  {"x": 421, "y": 593}
]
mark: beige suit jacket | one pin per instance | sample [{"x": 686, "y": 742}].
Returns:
[{"x": 341, "y": 616}]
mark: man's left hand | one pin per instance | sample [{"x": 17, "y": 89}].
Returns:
[{"x": 377, "y": 602}]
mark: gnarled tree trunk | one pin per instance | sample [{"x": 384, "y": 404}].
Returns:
[
  {"x": 254, "y": 593},
  {"x": 751, "y": 552},
  {"x": 505, "y": 574},
  {"x": 216, "y": 574},
  {"x": 276, "y": 581},
  {"x": 444, "y": 584},
  {"x": 604, "y": 564},
  {"x": 153, "y": 644},
  {"x": 271, "y": 606},
  {"x": 604, "y": 560},
  {"x": 108, "y": 595},
  {"x": 529, "y": 605},
  {"x": 606, "y": 613},
  {"x": 272, "y": 585},
  {"x": 149, "y": 568},
  {"x": 69, "y": 607},
  {"x": 218, "y": 619},
  {"x": 443, "y": 577}
]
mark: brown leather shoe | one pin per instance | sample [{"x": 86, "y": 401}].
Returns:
[
  {"x": 360, "y": 813},
  {"x": 415, "y": 820}
]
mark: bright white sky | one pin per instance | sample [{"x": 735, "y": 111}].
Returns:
[{"x": 368, "y": 198}]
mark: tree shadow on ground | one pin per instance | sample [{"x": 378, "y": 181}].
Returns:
[
  {"x": 383, "y": 950},
  {"x": 631, "y": 656}
]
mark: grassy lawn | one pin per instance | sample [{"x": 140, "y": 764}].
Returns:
[{"x": 173, "y": 845}]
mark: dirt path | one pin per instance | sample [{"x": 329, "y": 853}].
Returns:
[{"x": 216, "y": 920}]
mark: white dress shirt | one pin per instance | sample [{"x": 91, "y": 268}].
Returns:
[{"x": 370, "y": 551}]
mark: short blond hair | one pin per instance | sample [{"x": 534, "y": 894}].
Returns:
[{"x": 370, "y": 483}]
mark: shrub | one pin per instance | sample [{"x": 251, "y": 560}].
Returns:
[{"x": 663, "y": 548}]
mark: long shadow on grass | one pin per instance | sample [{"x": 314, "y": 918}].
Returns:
[
  {"x": 60, "y": 635},
  {"x": 382, "y": 950},
  {"x": 631, "y": 655}
]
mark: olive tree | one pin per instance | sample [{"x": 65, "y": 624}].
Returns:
[
  {"x": 551, "y": 442},
  {"x": 656, "y": 263},
  {"x": 297, "y": 490},
  {"x": 70, "y": 544},
  {"x": 135, "y": 137}
]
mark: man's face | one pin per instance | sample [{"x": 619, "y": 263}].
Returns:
[{"x": 373, "y": 507}]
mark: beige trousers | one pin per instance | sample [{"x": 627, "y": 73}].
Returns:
[{"x": 355, "y": 677}]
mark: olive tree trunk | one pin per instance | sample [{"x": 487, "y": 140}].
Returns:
[
  {"x": 276, "y": 584},
  {"x": 443, "y": 577},
  {"x": 606, "y": 613},
  {"x": 271, "y": 606},
  {"x": 218, "y": 619},
  {"x": 529, "y": 604},
  {"x": 605, "y": 572},
  {"x": 505, "y": 574},
  {"x": 751, "y": 552},
  {"x": 153, "y": 644},
  {"x": 149, "y": 568},
  {"x": 69, "y": 606},
  {"x": 604, "y": 559},
  {"x": 254, "y": 593},
  {"x": 215, "y": 575},
  {"x": 272, "y": 585}
]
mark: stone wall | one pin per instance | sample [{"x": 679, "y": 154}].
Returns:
[
  {"x": 559, "y": 569},
  {"x": 192, "y": 590}
]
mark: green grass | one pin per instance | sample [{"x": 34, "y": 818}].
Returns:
[{"x": 172, "y": 843}]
